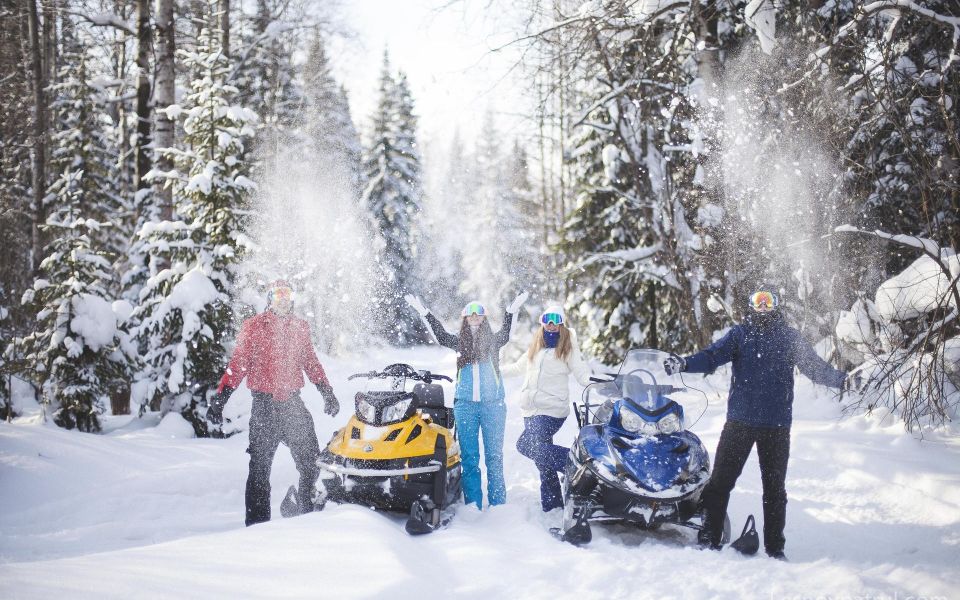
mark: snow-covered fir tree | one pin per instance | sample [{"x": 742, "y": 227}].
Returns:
[
  {"x": 186, "y": 320},
  {"x": 325, "y": 121},
  {"x": 77, "y": 354},
  {"x": 608, "y": 293},
  {"x": 394, "y": 196}
]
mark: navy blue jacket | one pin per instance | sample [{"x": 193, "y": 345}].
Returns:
[{"x": 763, "y": 357}]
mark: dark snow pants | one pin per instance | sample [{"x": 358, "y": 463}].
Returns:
[
  {"x": 273, "y": 422},
  {"x": 536, "y": 443},
  {"x": 773, "y": 451}
]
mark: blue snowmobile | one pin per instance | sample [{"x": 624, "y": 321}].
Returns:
[{"x": 633, "y": 460}]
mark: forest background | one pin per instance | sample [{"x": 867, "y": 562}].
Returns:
[{"x": 164, "y": 161}]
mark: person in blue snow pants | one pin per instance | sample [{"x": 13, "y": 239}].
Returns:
[
  {"x": 478, "y": 405},
  {"x": 536, "y": 443},
  {"x": 545, "y": 398}
]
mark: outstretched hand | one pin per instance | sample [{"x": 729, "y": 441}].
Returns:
[
  {"x": 518, "y": 302},
  {"x": 674, "y": 364},
  {"x": 416, "y": 304}
]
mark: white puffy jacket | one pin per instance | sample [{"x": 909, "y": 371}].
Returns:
[{"x": 546, "y": 388}]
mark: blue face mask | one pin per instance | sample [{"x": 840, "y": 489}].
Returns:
[{"x": 550, "y": 338}]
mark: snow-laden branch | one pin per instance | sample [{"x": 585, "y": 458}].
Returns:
[
  {"x": 868, "y": 11},
  {"x": 935, "y": 251},
  {"x": 105, "y": 20},
  {"x": 629, "y": 255},
  {"x": 656, "y": 9}
]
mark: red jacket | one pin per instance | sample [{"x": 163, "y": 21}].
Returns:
[{"x": 272, "y": 352}]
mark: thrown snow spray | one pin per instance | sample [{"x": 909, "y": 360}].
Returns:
[
  {"x": 777, "y": 179},
  {"x": 307, "y": 227}
]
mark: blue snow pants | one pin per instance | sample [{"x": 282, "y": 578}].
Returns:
[
  {"x": 536, "y": 443},
  {"x": 474, "y": 419}
]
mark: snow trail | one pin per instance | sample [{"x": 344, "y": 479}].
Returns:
[{"x": 147, "y": 511}]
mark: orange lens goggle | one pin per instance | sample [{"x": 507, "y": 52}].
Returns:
[
  {"x": 281, "y": 293},
  {"x": 764, "y": 301}
]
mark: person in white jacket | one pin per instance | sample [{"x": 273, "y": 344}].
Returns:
[{"x": 544, "y": 399}]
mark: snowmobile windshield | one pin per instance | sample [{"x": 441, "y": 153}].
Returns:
[
  {"x": 641, "y": 388},
  {"x": 642, "y": 378}
]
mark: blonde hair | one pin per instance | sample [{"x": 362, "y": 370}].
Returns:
[{"x": 564, "y": 346}]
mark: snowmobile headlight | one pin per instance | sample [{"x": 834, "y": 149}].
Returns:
[
  {"x": 366, "y": 411},
  {"x": 395, "y": 412},
  {"x": 670, "y": 424},
  {"x": 631, "y": 421}
]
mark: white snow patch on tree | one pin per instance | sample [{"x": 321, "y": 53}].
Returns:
[
  {"x": 919, "y": 289},
  {"x": 761, "y": 16},
  {"x": 94, "y": 321}
]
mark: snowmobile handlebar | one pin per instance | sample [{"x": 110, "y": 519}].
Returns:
[{"x": 401, "y": 370}]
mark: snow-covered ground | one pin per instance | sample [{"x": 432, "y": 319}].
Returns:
[{"x": 147, "y": 511}]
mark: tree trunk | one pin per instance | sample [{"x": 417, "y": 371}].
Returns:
[
  {"x": 39, "y": 137},
  {"x": 144, "y": 48},
  {"x": 165, "y": 96},
  {"x": 225, "y": 26}
]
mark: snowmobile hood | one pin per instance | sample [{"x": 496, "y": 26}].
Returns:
[
  {"x": 413, "y": 438},
  {"x": 652, "y": 466}
]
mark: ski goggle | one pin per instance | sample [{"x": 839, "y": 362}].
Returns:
[
  {"x": 551, "y": 318},
  {"x": 764, "y": 301},
  {"x": 474, "y": 308},
  {"x": 283, "y": 294}
]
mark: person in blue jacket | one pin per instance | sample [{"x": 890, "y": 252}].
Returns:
[
  {"x": 478, "y": 400},
  {"x": 764, "y": 351}
]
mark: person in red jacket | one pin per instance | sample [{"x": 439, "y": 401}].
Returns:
[{"x": 273, "y": 351}]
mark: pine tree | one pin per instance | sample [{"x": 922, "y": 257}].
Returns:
[
  {"x": 77, "y": 353},
  {"x": 331, "y": 137},
  {"x": 185, "y": 314},
  {"x": 608, "y": 292},
  {"x": 394, "y": 198}
]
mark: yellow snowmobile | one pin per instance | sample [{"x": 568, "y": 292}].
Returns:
[{"x": 398, "y": 452}]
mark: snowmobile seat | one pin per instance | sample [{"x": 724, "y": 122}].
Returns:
[{"x": 429, "y": 399}]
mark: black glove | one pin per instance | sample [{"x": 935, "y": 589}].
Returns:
[
  {"x": 216, "y": 403},
  {"x": 674, "y": 364},
  {"x": 330, "y": 404}
]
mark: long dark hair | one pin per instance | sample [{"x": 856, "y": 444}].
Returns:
[{"x": 471, "y": 350}]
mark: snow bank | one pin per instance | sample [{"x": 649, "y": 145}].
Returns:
[
  {"x": 919, "y": 289},
  {"x": 873, "y": 512}
]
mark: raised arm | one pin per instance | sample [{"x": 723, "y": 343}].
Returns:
[
  {"x": 716, "y": 354},
  {"x": 444, "y": 337},
  {"x": 503, "y": 336},
  {"x": 814, "y": 367}
]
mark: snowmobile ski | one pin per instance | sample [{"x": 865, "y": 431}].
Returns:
[{"x": 424, "y": 519}]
